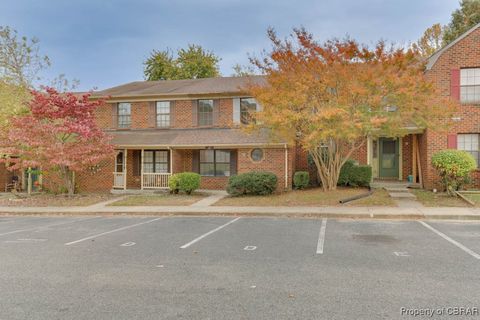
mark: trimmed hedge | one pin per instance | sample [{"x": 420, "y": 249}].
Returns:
[
  {"x": 252, "y": 183},
  {"x": 454, "y": 167},
  {"x": 184, "y": 181},
  {"x": 354, "y": 175},
  {"x": 301, "y": 179}
]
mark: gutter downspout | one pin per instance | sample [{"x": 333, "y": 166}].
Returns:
[{"x": 286, "y": 166}]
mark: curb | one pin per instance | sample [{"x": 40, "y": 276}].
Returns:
[{"x": 308, "y": 215}]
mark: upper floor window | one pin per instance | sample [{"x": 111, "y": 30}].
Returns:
[
  {"x": 469, "y": 143},
  {"x": 205, "y": 112},
  {"x": 163, "y": 114},
  {"x": 470, "y": 85},
  {"x": 124, "y": 115},
  {"x": 247, "y": 107}
]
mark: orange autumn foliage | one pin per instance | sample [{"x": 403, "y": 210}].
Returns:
[{"x": 337, "y": 93}]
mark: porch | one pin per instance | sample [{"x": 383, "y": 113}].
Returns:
[
  {"x": 396, "y": 159},
  {"x": 142, "y": 169}
]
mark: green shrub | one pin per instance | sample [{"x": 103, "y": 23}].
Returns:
[
  {"x": 301, "y": 179},
  {"x": 173, "y": 183},
  {"x": 252, "y": 183},
  {"x": 454, "y": 168},
  {"x": 354, "y": 175},
  {"x": 184, "y": 181}
]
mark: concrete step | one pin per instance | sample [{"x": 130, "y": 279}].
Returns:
[
  {"x": 397, "y": 189},
  {"x": 402, "y": 195}
]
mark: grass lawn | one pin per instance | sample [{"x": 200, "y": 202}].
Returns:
[
  {"x": 161, "y": 199},
  {"x": 51, "y": 200},
  {"x": 380, "y": 197},
  {"x": 310, "y": 198},
  {"x": 439, "y": 199},
  {"x": 475, "y": 197}
]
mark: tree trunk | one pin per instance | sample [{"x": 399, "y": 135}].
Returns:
[
  {"x": 29, "y": 181},
  {"x": 68, "y": 177},
  {"x": 329, "y": 159}
]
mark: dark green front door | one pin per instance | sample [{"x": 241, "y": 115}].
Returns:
[{"x": 388, "y": 158}]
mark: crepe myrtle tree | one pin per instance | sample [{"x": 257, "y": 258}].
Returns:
[
  {"x": 58, "y": 134},
  {"x": 329, "y": 97}
]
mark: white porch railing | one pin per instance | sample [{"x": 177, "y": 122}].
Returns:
[
  {"x": 155, "y": 180},
  {"x": 118, "y": 180}
]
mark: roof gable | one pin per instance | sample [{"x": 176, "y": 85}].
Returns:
[{"x": 434, "y": 57}]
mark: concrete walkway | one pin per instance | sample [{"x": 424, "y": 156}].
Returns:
[
  {"x": 334, "y": 212},
  {"x": 211, "y": 199}
]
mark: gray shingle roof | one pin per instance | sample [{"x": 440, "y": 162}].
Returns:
[
  {"x": 192, "y": 137},
  {"x": 220, "y": 85}
]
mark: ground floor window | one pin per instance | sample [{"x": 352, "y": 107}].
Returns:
[
  {"x": 155, "y": 161},
  {"x": 470, "y": 143},
  {"x": 215, "y": 163}
]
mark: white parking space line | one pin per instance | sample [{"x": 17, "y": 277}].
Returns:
[
  {"x": 112, "y": 231},
  {"x": 46, "y": 226},
  {"x": 321, "y": 237},
  {"x": 456, "y": 243},
  {"x": 208, "y": 233}
]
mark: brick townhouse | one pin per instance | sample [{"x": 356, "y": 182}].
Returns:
[{"x": 163, "y": 127}]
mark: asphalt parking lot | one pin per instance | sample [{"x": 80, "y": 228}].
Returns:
[{"x": 236, "y": 268}]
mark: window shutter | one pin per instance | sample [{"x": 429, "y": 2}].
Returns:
[
  {"x": 452, "y": 141},
  {"x": 216, "y": 112},
  {"x": 455, "y": 84},
  {"x": 194, "y": 113},
  {"x": 136, "y": 162},
  {"x": 114, "y": 115},
  {"x": 259, "y": 107},
  {"x": 236, "y": 110},
  {"x": 233, "y": 162},
  {"x": 172, "y": 114},
  {"x": 196, "y": 161},
  {"x": 152, "y": 114}
]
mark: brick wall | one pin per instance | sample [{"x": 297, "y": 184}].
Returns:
[
  {"x": 465, "y": 53},
  {"x": 5, "y": 177},
  {"x": 143, "y": 114},
  {"x": 273, "y": 161}
]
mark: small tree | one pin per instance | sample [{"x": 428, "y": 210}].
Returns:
[
  {"x": 191, "y": 63},
  {"x": 329, "y": 97},
  {"x": 462, "y": 19},
  {"x": 59, "y": 134},
  {"x": 430, "y": 41},
  {"x": 454, "y": 168}
]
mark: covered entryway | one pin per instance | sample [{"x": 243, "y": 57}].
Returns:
[{"x": 389, "y": 157}]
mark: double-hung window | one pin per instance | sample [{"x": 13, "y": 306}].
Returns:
[
  {"x": 163, "y": 114},
  {"x": 248, "y": 106},
  {"x": 205, "y": 112},
  {"x": 215, "y": 163},
  {"x": 470, "y": 85},
  {"x": 155, "y": 161},
  {"x": 124, "y": 112},
  {"x": 469, "y": 143}
]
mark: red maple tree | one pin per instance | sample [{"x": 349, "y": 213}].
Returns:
[{"x": 59, "y": 134}]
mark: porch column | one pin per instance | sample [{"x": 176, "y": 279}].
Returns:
[
  {"x": 286, "y": 167},
  {"x": 124, "y": 170},
  {"x": 400, "y": 158},
  {"x": 141, "y": 169},
  {"x": 171, "y": 160}
]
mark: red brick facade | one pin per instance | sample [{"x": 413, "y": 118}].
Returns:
[{"x": 464, "y": 53}]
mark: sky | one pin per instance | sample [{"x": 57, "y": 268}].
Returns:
[{"x": 103, "y": 43}]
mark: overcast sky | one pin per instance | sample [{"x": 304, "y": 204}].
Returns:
[{"x": 103, "y": 43}]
